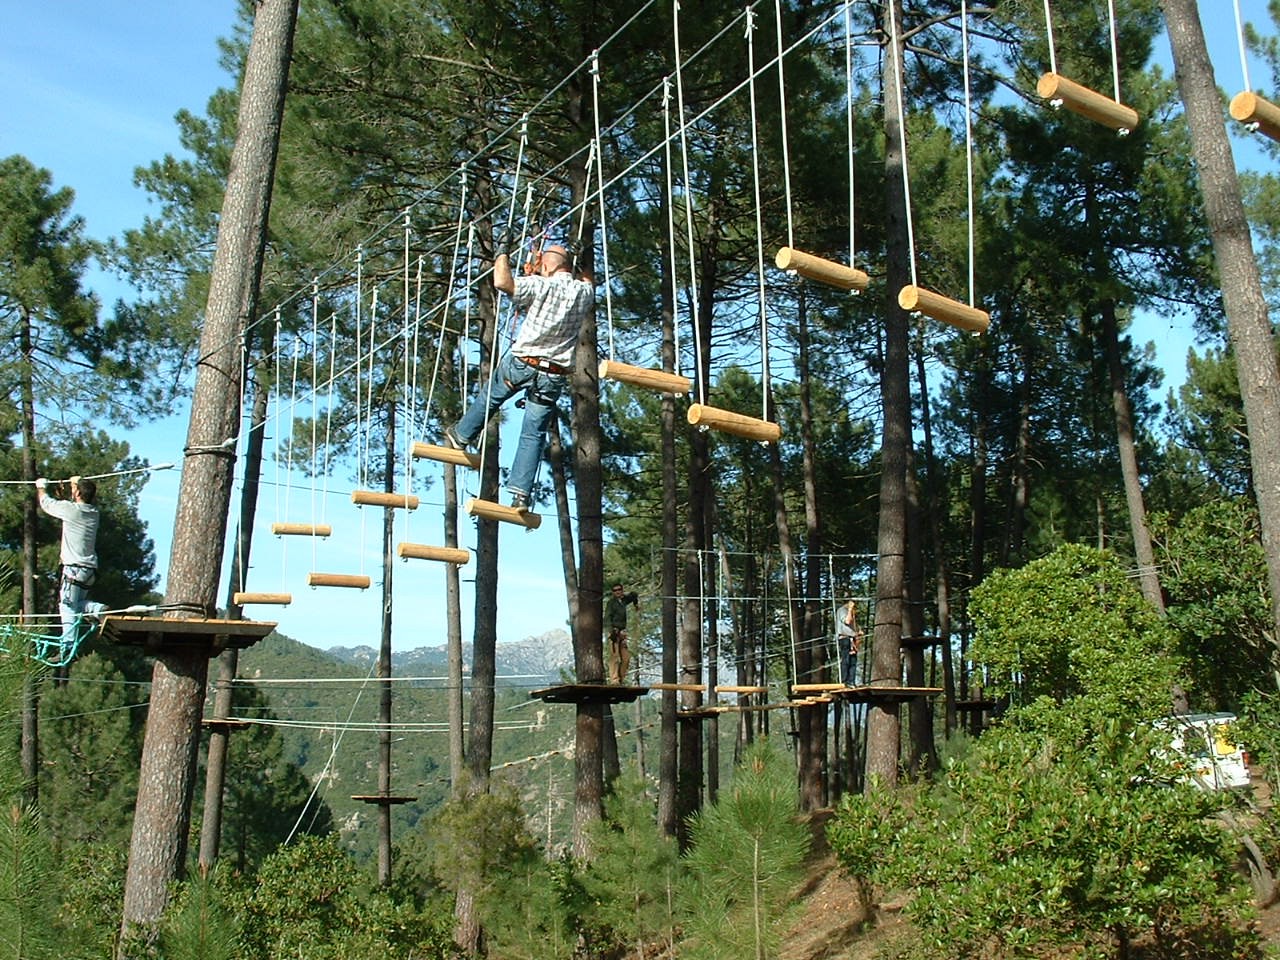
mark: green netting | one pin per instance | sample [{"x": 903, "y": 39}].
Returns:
[{"x": 46, "y": 642}]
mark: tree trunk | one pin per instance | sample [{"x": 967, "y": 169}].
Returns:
[
  {"x": 1148, "y": 575},
  {"x": 30, "y": 605},
  {"x": 384, "y": 655},
  {"x": 216, "y": 756},
  {"x": 668, "y": 767},
  {"x": 1248, "y": 323},
  {"x": 883, "y": 728},
  {"x": 162, "y": 815},
  {"x": 453, "y": 609}
]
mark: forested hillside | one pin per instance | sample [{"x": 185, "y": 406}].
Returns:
[{"x": 865, "y": 414}]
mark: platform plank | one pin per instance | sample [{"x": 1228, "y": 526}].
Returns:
[
  {"x": 157, "y": 633},
  {"x": 588, "y": 693}
]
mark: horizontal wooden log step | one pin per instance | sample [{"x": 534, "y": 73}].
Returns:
[
  {"x": 1077, "y": 98},
  {"x": 692, "y": 687},
  {"x": 223, "y": 725},
  {"x": 659, "y": 380},
  {"x": 816, "y": 687},
  {"x": 301, "y": 529},
  {"x": 423, "y": 551},
  {"x": 942, "y": 308},
  {"x": 432, "y": 451},
  {"x": 726, "y": 421},
  {"x": 823, "y": 271},
  {"x": 357, "y": 581},
  {"x": 243, "y": 599},
  {"x": 497, "y": 511},
  {"x": 377, "y": 498},
  {"x": 1251, "y": 109},
  {"x": 732, "y": 688}
]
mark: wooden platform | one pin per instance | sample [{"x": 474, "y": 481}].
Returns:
[
  {"x": 864, "y": 694},
  {"x": 382, "y": 799},
  {"x": 588, "y": 693},
  {"x": 918, "y": 643},
  {"x": 157, "y": 633},
  {"x": 217, "y": 725}
]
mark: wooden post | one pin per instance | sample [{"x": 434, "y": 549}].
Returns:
[
  {"x": 726, "y": 421},
  {"x": 301, "y": 529},
  {"x": 944, "y": 308},
  {"x": 658, "y": 380},
  {"x": 1088, "y": 103},
  {"x": 496, "y": 511},
  {"x": 240, "y": 599},
  {"x": 337, "y": 580},
  {"x": 824, "y": 271},
  {"x": 1249, "y": 108},
  {"x": 378, "y": 498},
  {"x": 421, "y": 551},
  {"x": 432, "y": 451}
]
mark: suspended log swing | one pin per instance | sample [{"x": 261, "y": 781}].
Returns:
[
  {"x": 822, "y": 271},
  {"x": 658, "y": 380},
  {"x": 1256, "y": 113},
  {"x": 442, "y": 454},
  {"x": 935, "y": 305},
  {"x": 488, "y": 510},
  {"x": 1079, "y": 99}
]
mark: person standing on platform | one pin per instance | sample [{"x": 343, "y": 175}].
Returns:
[
  {"x": 79, "y": 551},
  {"x": 848, "y": 642},
  {"x": 615, "y": 621}
]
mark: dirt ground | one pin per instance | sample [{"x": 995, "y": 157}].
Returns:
[{"x": 836, "y": 925}]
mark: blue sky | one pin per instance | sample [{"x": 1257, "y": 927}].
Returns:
[{"x": 90, "y": 89}]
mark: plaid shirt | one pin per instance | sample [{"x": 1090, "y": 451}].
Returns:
[{"x": 555, "y": 308}]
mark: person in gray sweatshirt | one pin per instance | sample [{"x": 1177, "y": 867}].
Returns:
[{"x": 79, "y": 555}]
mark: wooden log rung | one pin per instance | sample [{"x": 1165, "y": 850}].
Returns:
[
  {"x": 732, "y": 688},
  {"x": 378, "y": 498},
  {"x": 816, "y": 687},
  {"x": 301, "y": 529},
  {"x": 823, "y": 271},
  {"x": 433, "y": 451},
  {"x": 422, "y": 551},
  {"x": 691, "y": 687},
  {"x": 243, "y": 599},
  {"x": 659, "y": 380},
  {"x": 1253, "y": 110},
  {"x": 942, "y": 308},
  {"x": 497, "y": 511},
  {"x": 1078, "y": 98},
  {"x": 726, "y": 421},
  {"x": 356, "y": 581}
]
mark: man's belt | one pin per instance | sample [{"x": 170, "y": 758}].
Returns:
[{"x": 538, "y": 363}]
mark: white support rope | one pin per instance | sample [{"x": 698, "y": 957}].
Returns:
[
  {"x": 688, "y": 212},
  {"x": 1048, "y": 29},
  {"x": 671, "y": 218},
  {"x": 1115, "y": 49},
  {"x": 782, "y": 112},
  {"x": 598, "y": 151},
  {"x": 1244, "y": 60},
  {"x": 755, "y": 181},
  {"x": 848, "y": 87},
  {"x": 902, "y": 129},
  {"x": 968, "y": 144}
]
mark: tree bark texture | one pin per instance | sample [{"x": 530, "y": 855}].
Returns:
[
  {"x": 1248, "y": 323},
  {"x": 30, "y": 748},
  {"x": 669, "y": 735},
  {"x": 883, "y": 727},
  {"x": 162, "y": 817}
]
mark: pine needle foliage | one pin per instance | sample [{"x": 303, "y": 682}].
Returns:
[
  {"x": 198, "y": 926},
  {"x": 744, "y": 862}
]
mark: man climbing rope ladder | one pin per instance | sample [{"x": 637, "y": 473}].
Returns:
[
  {"x": 79, "y": 553},
  {"x": 555, "y": 306}
]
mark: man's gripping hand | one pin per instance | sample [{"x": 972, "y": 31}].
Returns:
[{"x": 41, "y": 483}]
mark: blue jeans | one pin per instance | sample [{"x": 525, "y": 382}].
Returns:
[
  {"x": 541, "y": 389},
  {"x": 73, "y": 594}
]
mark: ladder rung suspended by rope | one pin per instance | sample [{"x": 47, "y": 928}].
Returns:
[
  {"x": 816, "y": 687},
  {"x": 823, "y": 271},
  {"x": 692, "y": 687},
  {"x": 1251, "y": 109},
  {"x": 944, "y": 308},
  {"x": 658, "y": 380},
  {"x": 301, "y": 529},
  {"x": 357, "y": 581},
  {"x": 376, "y": 498},
  {"x": 243, "y": 599},
  {"x": 432, "y": 451},
  {"x": 726, "y": 421},
  {"x": 1057, "y": 89},
  {"x": 732, "y": 688},
  {"x": 422, "y": 551},
  {"x": 497, "y": 511}
]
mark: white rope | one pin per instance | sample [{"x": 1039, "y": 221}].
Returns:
[
  {"x": 782, "y": 112},
  {"x": 968, "y": 143},
  {"x": 1048, "y": 29},
  {"x": 671, "y": 217},
  {"x": 368, "y": 390},
  {"x": 407, "y": 341},
  {"x": 755, "y": 181},
  {"x": 1244, "y": 60},
  {"x": 902, "y": 128},
  {"x": 688, "y": 212},
  {"x": 1115, "y": 51},
  {"x": 848, "y": 86},
  {"x": 598, "y": 152},
  {"x": 328, "y": 427}
]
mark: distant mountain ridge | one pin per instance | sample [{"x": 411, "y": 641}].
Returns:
[{"x": 542, "y": 657}]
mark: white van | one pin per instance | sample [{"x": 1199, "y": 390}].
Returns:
[{"x": 1205, "y": 751}]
